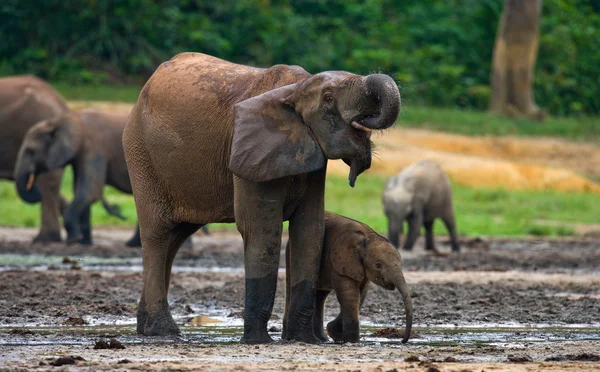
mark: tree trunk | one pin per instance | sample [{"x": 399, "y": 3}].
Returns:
[{"x": 514, "y": 59}]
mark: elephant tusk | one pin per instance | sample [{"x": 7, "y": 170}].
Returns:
[
  {"x": 30, "y": 181},
  {"x": 360, "y": 127}
]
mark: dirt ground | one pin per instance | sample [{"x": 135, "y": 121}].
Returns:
[{"x": 501, "y": 304}]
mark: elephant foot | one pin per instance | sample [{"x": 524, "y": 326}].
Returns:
[
  {"x": 86, "y": 241},
  {"x": 335, "y": 330},
  {"x": 256, "y": 336},
  {"x": 134, "y": 242},
  {"x": 159, "y": 324},
  {"x": 48, "y": 237},
  {"x": 74, "y": 239},
  {"x": 321, "y": 335}
]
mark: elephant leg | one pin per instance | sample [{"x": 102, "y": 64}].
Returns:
[
  {"x": 318, "y": 316},
  {"x": 160, "y": 246},
  {"x": 335, "y": 329},
  {"x": 135, "y": 240},
  {"x": 363, "y": 293},
  {"x": 49, "y": 184},
  {"x": 348, "y": 295},
  {"x": 395, "y": 230},
  {"x": 306, "y": 231},
  {"x": 72, "y": 220},
  {"x": 429, "y": 242},
  {"x": 288, "y": 290},
  {"x": 259, "y": 215},
  {"x": 415, "y": 221},
  {"x": 86, "y": 228},
  {"x": 179, "y": 236},
  {"x": 451, "y": 227}
]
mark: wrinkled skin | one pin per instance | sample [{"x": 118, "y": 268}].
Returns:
[
  {"x": 353, "y": 256},
  {"x": 24, "y": 101},
  {"x": 419, "y": 194},
  {"x": 212, "y": 141},
  {"x": 89, "y": 141}
]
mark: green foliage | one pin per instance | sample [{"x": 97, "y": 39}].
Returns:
[
  {"x": 478, "y": 211},
  {"x": 439, "y": 51}
]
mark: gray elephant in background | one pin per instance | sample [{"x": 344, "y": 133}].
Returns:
[
  {"x": 24, "y": 101},
  {"x": 419, "y": 194}
]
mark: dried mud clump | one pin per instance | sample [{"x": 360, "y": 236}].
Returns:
[
  {"x": 111, "y": 344},
  {"x": 585, "y": 357},
  {"x": 61, "y": 361},
  {"x": 74, "y": 321}
]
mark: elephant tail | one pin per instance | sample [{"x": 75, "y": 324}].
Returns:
[{"x": 113, "y": 209}]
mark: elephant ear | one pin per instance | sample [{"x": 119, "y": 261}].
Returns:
[
  {"x": 270, "y": 140},
  {"x": 60, "y": 142},
  {"x": 345, "y": 257}
]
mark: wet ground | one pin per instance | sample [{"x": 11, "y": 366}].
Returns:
[{"x": 500, "y": 304}]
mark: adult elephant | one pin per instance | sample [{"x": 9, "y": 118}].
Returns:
[
  {"x": 89, "y": 141},
  {"x": 24, "y": 101},
  {"x": 212, "y": 141}
]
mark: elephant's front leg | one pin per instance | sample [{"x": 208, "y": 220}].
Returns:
[
  {"x": 49, "y": 184},
  {"x": 86, "y": 227},
  {"x": 259, "y": 218},
  {"x": 415, "y": 221}
]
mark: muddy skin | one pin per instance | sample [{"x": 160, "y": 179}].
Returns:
[
  {"x": 159, "y": 324},
  {"x": 256, "y": 332}
]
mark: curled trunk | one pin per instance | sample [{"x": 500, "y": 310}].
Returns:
[
  {"x": 383, "y": 90},
  {"x": 402, "y": 287},
  {"x": 27, "y": 189}
]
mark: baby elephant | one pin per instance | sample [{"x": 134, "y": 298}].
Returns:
[
  {"x": 353, "y": 256},
  {"x": 90, "y": 141},
  {"x": 419, "y": 194}
]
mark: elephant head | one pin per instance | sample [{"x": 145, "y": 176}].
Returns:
[
  {"x": 48, "y": 145},
  {"x": 398, "y": 205},
  {"x": 359, "y": 251},
  {"x": 294, "y": 129}
]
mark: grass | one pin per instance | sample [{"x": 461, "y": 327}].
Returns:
[
  {"x": 487, "y": 212},
  {"x": 452, "y": 120}
]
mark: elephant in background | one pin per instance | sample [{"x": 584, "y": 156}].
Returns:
[
  {"x": 419, "y": 194},
  {"x": 213, "y": 141},
  {"x": 353, "y": 256},
  {"x": 24, "y": 101},
  {"x": 89, "y": 141}
]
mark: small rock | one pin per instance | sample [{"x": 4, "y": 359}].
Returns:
[
  {"x": 188, "y": 309},
  {"x": 519, "y": 359},
  {"x": 274, "y": 329},
  {"x": 124, "y": 361},
  {"x": 67, "y": 260},
  {"x": 61, "y": 361},
  {"x": 113, "y": 343},
  {"x": 42, "y": 363},
  {"x": 450, "y": 359},
  {"x": 75, "y": 321},
  {"x": 412, "y": 358}
]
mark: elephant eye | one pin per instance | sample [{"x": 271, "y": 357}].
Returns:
[
  {"x": 378, "y": 265},
  {"x": 327, "y": 97}
]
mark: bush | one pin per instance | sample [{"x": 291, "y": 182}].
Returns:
[{"x": 439, "y": 51}]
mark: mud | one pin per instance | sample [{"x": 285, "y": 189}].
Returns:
[{"x": 496, "y": 300}]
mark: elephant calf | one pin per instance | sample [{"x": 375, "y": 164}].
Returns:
[
  {"x": 353, "y": 256},
  {"x": 419, "y": 194},
  {"x": 91, "y": 142}
]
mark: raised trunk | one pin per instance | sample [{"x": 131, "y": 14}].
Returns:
[
  {"x": 402, "y": 287},
  {"x": 383, "y": 90},
  {"x": 27, "y": 189}
]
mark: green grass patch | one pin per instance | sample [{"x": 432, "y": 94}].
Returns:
[
  {"x": 454, "y": 120},
  {"x": 479, "y": 211},
  {"x": 123, "y": 93}
]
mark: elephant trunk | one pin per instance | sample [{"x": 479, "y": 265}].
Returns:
[
  {"x": 402, "y": 287},
  {"x": 383, "y": 90},
  {"x": 26, "y": 187}
]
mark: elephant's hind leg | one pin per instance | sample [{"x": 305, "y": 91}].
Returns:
[{"x": 160, "y": 247}]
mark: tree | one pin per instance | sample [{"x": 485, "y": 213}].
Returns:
[{"x": 513, "y": 63}]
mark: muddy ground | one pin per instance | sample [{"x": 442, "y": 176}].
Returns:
[{"x": 530, "y": 304}]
